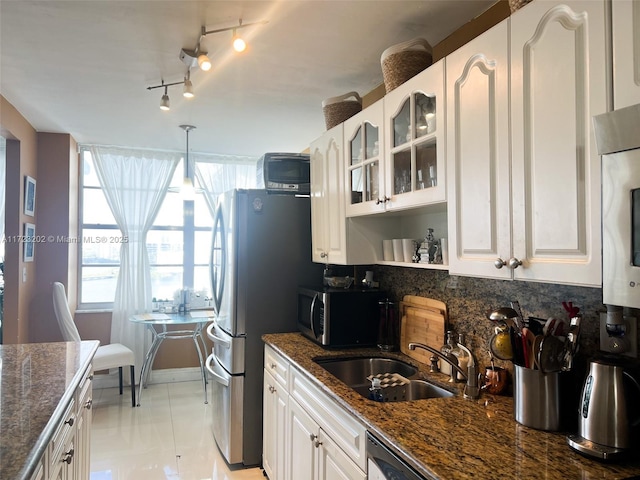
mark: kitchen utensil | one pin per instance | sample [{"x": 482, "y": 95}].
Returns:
[
  {"x": 605, "y": 417},
  {"x": 516, "y": 346},
  {"x": 528, "y": 338},
  {"x": 425, "y": 302},
  {"x": 516, "y": 306},
  {"x": 500, "y": 344},
  {"x": 536, "y": 398},
  {"x": 388, "y": 326},
  {"x": 495, "y": 380},
  {"x": 422, "y": 320},
  {"x": 551, "y": 354},
  {"x": 503, "y": 314},
  {"x": 536, "y": 350},
  {"x": 571, "y": 342},
  {"x": 571, "y": 310}
]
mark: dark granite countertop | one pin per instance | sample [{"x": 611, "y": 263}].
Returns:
[
  {"x": 37, "y": 383},
  {"x": 453, "y": 438}
]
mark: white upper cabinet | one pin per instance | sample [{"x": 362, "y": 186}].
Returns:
[
  {"x": 327, "y": 197},
  {"x": 626, "y": 53},
  {"x": 531, "y": 210},
  {"x": 336, "y": 239},
  {"x": 364, "y": 154},
  {"x": 558, "y": 82},
  {"x": 478, "y": 157},
  {"x": 414, "y": 143}
]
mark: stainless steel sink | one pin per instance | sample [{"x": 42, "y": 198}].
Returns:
[{"x": 353, "y": 371}]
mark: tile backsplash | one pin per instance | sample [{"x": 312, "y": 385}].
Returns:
[{"x": 468, "y": 299}]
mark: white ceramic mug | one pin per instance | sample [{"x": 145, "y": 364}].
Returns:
[
  {"x": 408, "y": 249},
  {"x": 444, "y": 247},
  {"x": 398, "y": 251},
  {"x": 387, "y": 250}
]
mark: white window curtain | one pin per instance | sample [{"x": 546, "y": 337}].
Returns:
[
  {"x": 135, "y": 183},
  {"x": 219, "y": 173}
]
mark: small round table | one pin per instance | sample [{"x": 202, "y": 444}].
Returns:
[{"x": 157, "y": 324}]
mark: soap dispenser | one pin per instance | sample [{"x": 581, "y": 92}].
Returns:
[
  {"x": 461, "y": 353},
  {"x": 446, "y": 350}
]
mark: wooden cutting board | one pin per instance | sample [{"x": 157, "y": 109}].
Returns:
[
  {"x": 424, "y": 302},
  {"x": 422, "y": 320}
]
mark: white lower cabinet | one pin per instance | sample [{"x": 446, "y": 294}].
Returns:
[
  {"x": 306, "y": 435},
  {"x": 68, "y": 454},
  {"x": 275, "y": 407}
]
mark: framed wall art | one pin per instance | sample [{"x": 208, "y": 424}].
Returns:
[
  {"x": 29, "y": 196},
  {"x": 28, "y": 241}
]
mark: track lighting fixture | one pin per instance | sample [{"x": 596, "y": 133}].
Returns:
[
  {"x": 187, "y": 92},
  {"x": 197, "y": 58},
  {"x": 239, "y": 44},
  {"x": 164, "y": 101}
]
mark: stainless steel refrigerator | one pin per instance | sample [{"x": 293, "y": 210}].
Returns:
[{"x": 261, "y": 252}]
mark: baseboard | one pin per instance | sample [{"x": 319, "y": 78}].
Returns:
[{"x": 165, "y": 375}]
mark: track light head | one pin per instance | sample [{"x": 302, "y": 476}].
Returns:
[
  {"x": 239, "y": 45},
  {"x": 164, "y": 102},
  {"x": 204, "y": 63},
  {"x": 187, "y": 91}
]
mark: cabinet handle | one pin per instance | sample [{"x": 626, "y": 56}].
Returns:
[
  {"x": 323, "y": 255},
  {"x": 273, "y": 366},
  {"x": 90, "y": 377},
  {"x": 68, "y": 457},
  {"x": 70, "y": 422},
  {"x": 499, "y": 263},
  {"x": 514, "y": 263},
  {"x": 382, "y": 200},
  {"x": 317, "y": 443},
  {"x": 272, "y": 389},
  {"x": 88, "y": 404},
  {"x": 312, "y": 436}
]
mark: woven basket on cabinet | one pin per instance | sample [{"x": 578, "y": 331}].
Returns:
[
  {"x": 403, "y": 61},
  {"x": 338, "y": 109}
]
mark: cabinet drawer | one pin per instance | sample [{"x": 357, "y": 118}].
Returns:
[
  {"x": 341, "y": 426},
  {"x": 84, "y": 391},
  {"x": 277, "y": 366},
  {"x": 63, "y": 433}
]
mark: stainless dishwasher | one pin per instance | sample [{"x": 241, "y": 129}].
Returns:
[{"x": 383, "y": 464}]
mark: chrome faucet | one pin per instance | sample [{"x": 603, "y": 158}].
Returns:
[
  {"x": 471, "y": 389},
  {"x": 450, "y": 359}
]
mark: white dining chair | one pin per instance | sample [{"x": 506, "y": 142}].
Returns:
[{"x": 107, "y": 356}]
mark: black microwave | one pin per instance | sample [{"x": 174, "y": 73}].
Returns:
[
  {"x": 337, "y": 317},
  {"x": 284, "y": 173}
]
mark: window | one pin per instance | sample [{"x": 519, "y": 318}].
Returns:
[{"x": 178, "y": 243}]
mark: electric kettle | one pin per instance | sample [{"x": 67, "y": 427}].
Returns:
[{"x": 606, "y": 420}]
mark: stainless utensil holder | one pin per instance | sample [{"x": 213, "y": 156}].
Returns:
[{"x": 536, "y": 398}]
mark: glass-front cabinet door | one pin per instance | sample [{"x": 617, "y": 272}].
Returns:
[
  {"x": 415, "y": 141},
  {"x": 364, "y": 154}
]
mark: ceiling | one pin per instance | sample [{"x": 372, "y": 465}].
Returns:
[{"x": 83, "y": 67}]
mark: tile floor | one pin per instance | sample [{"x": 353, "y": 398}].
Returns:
[{"x": 167, "y": 437}]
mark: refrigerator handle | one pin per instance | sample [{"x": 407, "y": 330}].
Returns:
[
  {"x": 218, "y": 272},
  {"x": 223, "y": 342},
  {"x": 313, "y": 315},
  {"x": 218, "y": 378}
]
